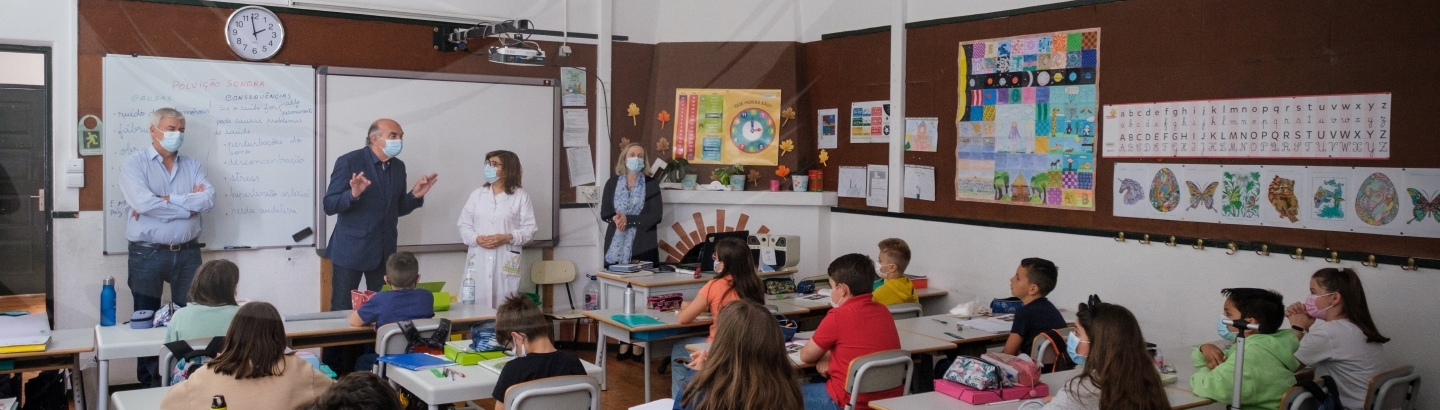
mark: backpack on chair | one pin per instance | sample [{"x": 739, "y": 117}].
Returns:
[
  {"x": 188, "y": 360},
  {"x": 1328, "y": 396},
  {"x": 1058, "y": 348}
]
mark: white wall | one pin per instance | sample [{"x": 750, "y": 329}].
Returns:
[
  {"x": 51, "y": 24},
  {"x": 1173, "y": 291},
  {"x": 820, "y": 17},
  {"x": 680, "y": 21}
]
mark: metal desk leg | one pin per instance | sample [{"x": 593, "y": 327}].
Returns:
[
  {"x": 77, "y": 385},
  {"x": 103, "y": 402},
  {"x": 600, "y": 355},
  {"x": 646, "y": 369}
]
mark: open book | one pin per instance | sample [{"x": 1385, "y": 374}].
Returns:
[{"x": 496, "y": 364}]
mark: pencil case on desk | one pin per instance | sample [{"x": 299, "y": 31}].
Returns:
[{"x": 459, "y": 352}]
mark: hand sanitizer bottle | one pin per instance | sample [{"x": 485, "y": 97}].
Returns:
[{"x": 467, "y": 287}]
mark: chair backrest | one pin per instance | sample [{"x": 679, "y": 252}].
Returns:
[
  {"x": 1043, "y": 351},
  {"x": 1297, "y": 398},
  {"x": 1394, "y": 389},
  {"x": 558, "y": 393},
  {"x": 552, "y": 272},
  {"x": 390, "y": 340},
  {"x": 905, "y": 310},
  {"x": 878, "y": 371},
  {"x": 168, "y": 358}
]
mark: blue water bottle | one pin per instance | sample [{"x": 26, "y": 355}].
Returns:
[{"x": 107, "y": 303}]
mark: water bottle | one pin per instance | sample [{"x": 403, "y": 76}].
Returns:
[
  {"x": 218, "y": 402},
  {"x": 107, "y": 302},
  {"x": 629, "y": 299},
  {"x": 467, "y": 287},
  {"x": 592, "y": 294}
]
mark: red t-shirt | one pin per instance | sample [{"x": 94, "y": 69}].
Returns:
[{"x": 858, "y": 327}]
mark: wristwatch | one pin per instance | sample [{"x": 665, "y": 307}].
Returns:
[{"x": 1298, "y": 329}]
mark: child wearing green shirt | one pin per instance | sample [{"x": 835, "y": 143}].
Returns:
[
  {"x": 212, "y": 303},
  {"x": 1270, "y": 363}
]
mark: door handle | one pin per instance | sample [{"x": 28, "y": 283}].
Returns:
[{"x": 41, "y": 204}]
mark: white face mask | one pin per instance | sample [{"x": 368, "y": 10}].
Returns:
[
  {"x": 834, "y": 294},
  {"x": 516, "y": 339},
  {"x": 171, "y": 140}
]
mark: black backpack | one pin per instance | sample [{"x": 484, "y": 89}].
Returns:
[
  {"x": 1328, "y": 397},
  {"x": 46, "y": 392},
  {"x": 188, "y": 360},
  {"x": 1058, "y": 346}
]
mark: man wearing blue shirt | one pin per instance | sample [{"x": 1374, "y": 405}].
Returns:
[
  {"x": 166, "y": 193},
  {"x": 367, "y": 193}
]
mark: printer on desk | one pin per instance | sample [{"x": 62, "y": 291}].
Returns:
[{"x": 787, "y": 248}]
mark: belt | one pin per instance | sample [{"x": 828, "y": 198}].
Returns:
[{"x": 193, "y": 244}]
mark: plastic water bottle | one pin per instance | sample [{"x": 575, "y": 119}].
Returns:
[
  {"x": 592, "y": 294},
  {"x": 107, "y": 302},
  {"x": 629, "y": 300},
  {"x": 218, "y": 402},
  {"x": 467, "y": 287}
]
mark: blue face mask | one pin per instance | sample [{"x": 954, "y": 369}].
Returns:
[
  {"x": 1224, "y": 330},
  {"x": 491, "y": 174},
  {"x": 392, "y": 148},
  {"x": 1072, "y": 343},
  {"x": 172, "y": 140},
  {"x": 634, "y": 164}
]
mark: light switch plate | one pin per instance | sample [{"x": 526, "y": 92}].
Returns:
[
  {"x": 75, "y": 166},
  {"x": 74, "y": 180}
]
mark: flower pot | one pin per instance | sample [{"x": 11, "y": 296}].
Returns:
[
  {"x": 689, "y": 182},
  {"x": 800, "y": 183},
  {"x": 737, "y": 182},
  {"x": 774, "y": 185}
]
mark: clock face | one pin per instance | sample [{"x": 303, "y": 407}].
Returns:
[
  {"x": 254, "y": 33},
  {"x": 752, "y": 130}
]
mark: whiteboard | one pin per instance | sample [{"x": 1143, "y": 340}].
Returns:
[
  {"x": 450, "y": 122},
  {"x": 251, "y": 126}
]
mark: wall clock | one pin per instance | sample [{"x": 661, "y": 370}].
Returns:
[{"x": 254, "y": 33}]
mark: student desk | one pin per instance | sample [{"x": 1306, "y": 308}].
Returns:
[
  {"x": 142, "y": 399},
  {"x": 969, "y": 337},
  {"x": 913, "y": 343},
  {"x": 122, "y": 342},
  {"x": 62, "y": 351},
  {"x": 670, "y": 320},
  {"x": 477, "y": 384},
  {"x": 612, "y": 285},
  {"x": 1180, "y": 397},
  {"x": 823, "y": 303}
]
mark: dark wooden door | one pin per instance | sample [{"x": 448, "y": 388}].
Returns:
[{"x": 24, "y": 195}]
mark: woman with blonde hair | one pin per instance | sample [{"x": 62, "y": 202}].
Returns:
[{"x": 631, "y": 206}]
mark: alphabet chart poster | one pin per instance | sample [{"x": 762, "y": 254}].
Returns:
[
  {"x": 1354, "y": 126},
  {"x": 1026, "y": 120}
]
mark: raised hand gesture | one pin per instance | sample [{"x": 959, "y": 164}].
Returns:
[
  {"x": 358, "y": 183},
  {"x": 423, "y": 185}
]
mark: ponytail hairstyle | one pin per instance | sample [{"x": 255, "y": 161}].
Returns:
[
  {"x": 1118, "y": 364},
  {"x": 740, "y": 267},
  {"x": 1352, "y": 300}
]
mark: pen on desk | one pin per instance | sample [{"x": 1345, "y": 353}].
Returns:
[
  {"x": 941, "y": 321},
  {"x": 954, "y": 335},
  {"x": 237, "y": 247}
]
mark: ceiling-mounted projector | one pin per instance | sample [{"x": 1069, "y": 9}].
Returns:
[{"x": 517, "y": 55}]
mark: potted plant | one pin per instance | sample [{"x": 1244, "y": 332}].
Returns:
[
  {"x": 724, "y": 174},
  {"x": 678, "y": 170}
]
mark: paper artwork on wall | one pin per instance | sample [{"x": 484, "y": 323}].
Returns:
[
  {"x": 1026, "y": 120},
  {"x": 1384, "y": 201}
]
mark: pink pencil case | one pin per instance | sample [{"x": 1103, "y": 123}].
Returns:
[{"x": 974, "y": 396}]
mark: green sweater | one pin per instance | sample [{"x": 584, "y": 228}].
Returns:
[
  {"x": 199, "y": 321},
  {"x": 1270, "y": 367}
]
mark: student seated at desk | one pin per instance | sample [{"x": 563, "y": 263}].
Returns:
[
  {"x": 1337, "y": 335},
  {"x": 857, "y": 326},
  {"x": 358, "y": 391},
  {"x": 1033, "y": 280},
  {"x": 520, "y": 325},
  {"x": 894, "y": 287},
  {"x": 402, "y": 302},
  {"x": 736, "y": 280},
  {"x": 1270, "y": 363},
  {"x": 212, "y": 303},
  {"x": 255, "y": 370},
  {"x": 1117, "y": 372},
  {"x": 745, "y": 368}
]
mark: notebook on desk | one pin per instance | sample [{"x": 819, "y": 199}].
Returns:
[{"x": 416, "y": 361}]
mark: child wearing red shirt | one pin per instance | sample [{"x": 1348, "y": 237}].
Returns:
[{"x": 857, "y": 326}]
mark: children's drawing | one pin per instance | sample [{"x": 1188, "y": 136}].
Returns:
[
  {"x": 1329, "y": 198},
  {"x": 1377, "y": 203},
  {"x": 1199, "y": 197},
  {"x": 1423, "y": 206},
  {"x": 1282, "y": 197},
  {"x": 1164, "y": 191},
  {"x": 1132, "y": 190},
  {"x": 1242, "y": 195}
]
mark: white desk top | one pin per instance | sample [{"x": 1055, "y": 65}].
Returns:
[
  {"x": 64, "y": 341},
  {"x": 143, "y": 399},
  {"x": 671, "y": 319},
  {"x": 928, "y": 326},
  {"x": 120, "y": 341},
  {"x": 823, "y": 303},
  {"x": 477, "y": 384},
  {"x": 908, "y": 341}
]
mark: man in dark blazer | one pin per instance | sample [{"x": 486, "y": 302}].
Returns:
[{"x": 367, "y": 192}]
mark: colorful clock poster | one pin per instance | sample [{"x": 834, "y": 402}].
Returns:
[
  {"x": 719, "y": 126},
  {"x": 1026, "y": 121}
]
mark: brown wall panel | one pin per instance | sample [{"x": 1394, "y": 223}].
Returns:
[
  {"x": 1166, "y": 50},
  {"x": 168, "y": 30}
]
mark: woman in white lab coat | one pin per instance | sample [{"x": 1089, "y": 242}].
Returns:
[{"x": 497, "y": 219}]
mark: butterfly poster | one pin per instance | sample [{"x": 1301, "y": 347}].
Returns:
[
  {"x": 1420, "y": 203},
  {"x": 1283, "y": 190},
  {"x": 1240, "y": 194},
  {"x": 1201, "y": 190}
]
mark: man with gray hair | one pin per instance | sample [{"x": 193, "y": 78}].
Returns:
[{"x": 166, "y": 193}]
